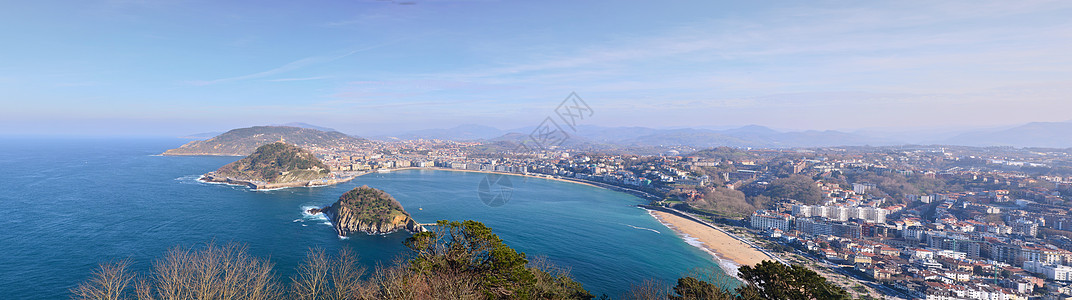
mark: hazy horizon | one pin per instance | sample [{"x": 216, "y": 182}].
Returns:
[{"x": 172, "y": 68}]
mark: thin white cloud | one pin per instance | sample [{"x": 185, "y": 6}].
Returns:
[
  {"x": 945, "y": 59},
  {"x": 298, "y": 79},
  {"x": 294, "y": 65},
  {"x": 896, "y": 48}
]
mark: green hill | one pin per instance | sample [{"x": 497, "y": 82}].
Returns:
[
  {"x": 242, "y": 141},
  {"x": 275, "y": 163}
]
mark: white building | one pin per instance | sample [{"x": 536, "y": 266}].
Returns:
[
  {"x": 862, "y": 188},
  {"x": 763, "y": 219},
  {"x": 952, "y": 254},
  {"x": 1050, "y": 271},
  {"x": 841, "y": 213}
]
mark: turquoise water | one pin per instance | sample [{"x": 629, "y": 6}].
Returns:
[{"x": 70, "y": 204}]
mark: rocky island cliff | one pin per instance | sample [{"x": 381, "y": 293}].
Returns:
[
  {"x": 370, "y": 211},
  {"x": 275, "y": 165}
]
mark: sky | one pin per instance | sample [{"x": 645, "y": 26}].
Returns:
[{"x": 174, "y": 67}]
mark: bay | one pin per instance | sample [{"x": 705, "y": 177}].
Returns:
[{"x": 69, "y": 204}]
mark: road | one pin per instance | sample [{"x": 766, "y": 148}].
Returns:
[{"x": 887, "y": 291}]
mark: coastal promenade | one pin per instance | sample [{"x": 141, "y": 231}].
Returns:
[{"x": 638, "y": 193}]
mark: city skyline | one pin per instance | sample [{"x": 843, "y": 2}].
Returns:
[{"x": 377, "y": 67}]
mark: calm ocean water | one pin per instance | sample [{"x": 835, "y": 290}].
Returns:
[{"x": 70, "y": 204}]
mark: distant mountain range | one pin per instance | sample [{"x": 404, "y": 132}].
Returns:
[
  {"x": 457, "y": 133},
  {"x": 305, "y": 125},
  {"x": 1038, "y": 134},
  {"x": 587, "y": 136},
  {"x": 200, "y": 136}
]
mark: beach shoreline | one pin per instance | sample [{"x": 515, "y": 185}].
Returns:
[
  {"x": 637, "y": 193},
  {"x": 548, "y": 177},
  {"x": 730, "y": 252}
]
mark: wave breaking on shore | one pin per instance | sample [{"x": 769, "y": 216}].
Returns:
[
  {"x": 729, "y": 266},
  {"x": 320, "y": 218}
]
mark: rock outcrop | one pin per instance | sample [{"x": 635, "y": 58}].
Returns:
[{"x": 370, "y": 211}]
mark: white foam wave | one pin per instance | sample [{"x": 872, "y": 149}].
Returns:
[
  {"x": 727, "y": 265},
  {"x": 642, "y": 228},
  {"x": 188, "y": 179},
  {"x": 344, "y": 237},
  {"x": 308, "y": 216}
]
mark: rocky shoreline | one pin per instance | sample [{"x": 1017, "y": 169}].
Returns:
[
  {"x": 259, "y": 185},
  {"x": 346, "y": 224}
]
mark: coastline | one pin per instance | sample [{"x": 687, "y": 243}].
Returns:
[
  {"x": 730, "y": 252},
  {"x": 202, "y": 154},
  {"x": 352, "y": 175},
  {"x": 596, "y": 184},
  {"x": 548, "y": 177},
  {"x": 207, "y": 178},
  {"x": 258, "y": 186}
]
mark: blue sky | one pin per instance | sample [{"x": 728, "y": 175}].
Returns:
[{"x": 372, "y": 67}]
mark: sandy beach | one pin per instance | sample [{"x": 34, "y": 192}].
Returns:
[{"x": 723, "y": 245}]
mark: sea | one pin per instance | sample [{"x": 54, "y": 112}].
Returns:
[{"x": 70, "y": 204}]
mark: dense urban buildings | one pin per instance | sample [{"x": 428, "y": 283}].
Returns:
[{"x": 917, "y": 222}]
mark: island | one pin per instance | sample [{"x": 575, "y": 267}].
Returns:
[
  {"x": 276, "y": 165},
  {"x": 243, "y": 141},
  {"x": 368, "y": 210}
]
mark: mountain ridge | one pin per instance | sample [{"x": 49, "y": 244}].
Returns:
[
  {"x": 1034, "y": 134},
  {"x": 243, "y": 141}
]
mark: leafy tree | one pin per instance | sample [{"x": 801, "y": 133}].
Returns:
[
  {"x": 690, "y": 288},
  {"x": 798, "y": 187},
  {"x": 723, "y": 200},
  {"x": 471, "y": 248},
  {"x": 772, "y": 280},
  {"x": 724, "y": 153},
  {"x": 767, "y": 280}
]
